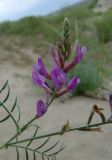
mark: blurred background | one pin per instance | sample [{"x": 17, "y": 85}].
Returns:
[{"x": 27, "y": 30}]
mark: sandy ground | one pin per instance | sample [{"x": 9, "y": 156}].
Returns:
[
  {"x": 79, "y": 144},
  {"x": 103, "y": 6}
]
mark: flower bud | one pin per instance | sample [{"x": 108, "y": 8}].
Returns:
[{"x": 41, "y": 108}]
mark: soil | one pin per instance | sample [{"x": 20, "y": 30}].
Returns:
[{"x": 79, "y": 144}]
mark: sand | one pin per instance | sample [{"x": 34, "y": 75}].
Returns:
[
  {"x": 103, "y": 6},
  {"x": 79, "y": 144}
]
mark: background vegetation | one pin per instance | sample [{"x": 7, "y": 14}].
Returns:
[{"x": 94, "y": 30}]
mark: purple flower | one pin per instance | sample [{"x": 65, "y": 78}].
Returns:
[
  {"x": 110, "y": 103},
  {"x": 80, "y": 53},
  {"x": 58, "y": 78},
  {"x": 73, "y": 83},
  {"x": 40, "y": 68},
  {"x": 39, "y": 80},
  {"x": 41, "y": 108}
]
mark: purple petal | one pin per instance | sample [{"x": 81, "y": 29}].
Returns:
[
  {"x": 39, "y": 80},
  {"x": 73, "y": 83},
  {"x": 80, "y": 53},
  {"x": 41, "y": 108},
  {"x": 78, "y": 48},
  {"x": 40, "y": 67},
  {"x": 110, "y": 101},
  {"x": 58, "y": 78},
  {"x": 83, "y": 51},
  {"x": 48, "y": 90}
]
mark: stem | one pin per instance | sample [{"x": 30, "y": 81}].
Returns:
[
  {"x": 24, "y": 127},
  {"x": 16, "y": 135},
  {"x": 59, "y": 132},
  {"x": 52, "y": 99}
]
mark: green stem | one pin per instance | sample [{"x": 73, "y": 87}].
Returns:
[
  {"x": 52, "y": 99},
  {"x": 24, "y": 127},
  {"x": 60, "y": 132},
  {"x": 16, "y": 135}
]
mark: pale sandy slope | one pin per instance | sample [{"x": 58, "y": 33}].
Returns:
[
  {"x": 103, "y": 6},
  {"x": 79, "y": 145}
]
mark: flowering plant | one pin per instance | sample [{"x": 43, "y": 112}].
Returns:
[{"x": 55, "y": 84}]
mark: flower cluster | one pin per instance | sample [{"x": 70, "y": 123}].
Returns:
[{"x": 55, "y": 83}]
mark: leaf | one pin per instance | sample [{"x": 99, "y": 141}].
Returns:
[
  {"x": 61, "y": 149},
  {"x": 32, "y": 137},
  {"x": 42, "y": 157},
  {"x": 43, "y": 144},
  {"x": 17, "y": 153},
  {"x": 7, "y": 96},
  {"x": 51, "y": 147},
  {"x": 13, "y": 107},
  {"x": 15, "y": 122},
  {"x": 51, "y": 156},
  {"x": 26, "y": 148},
  {"x": 27, "y": 157},
  {"x": 19, "y": 112},
  {"x": 4, "y": 86},
  {"x": 34, "y": 156}
]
